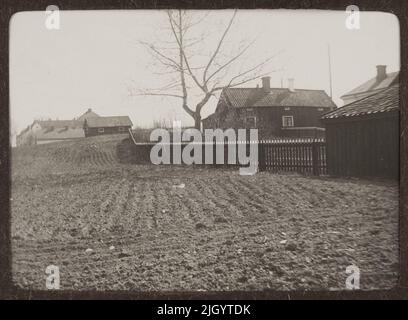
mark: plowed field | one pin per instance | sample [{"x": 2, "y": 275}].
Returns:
[{"x": 189, "y": 228}]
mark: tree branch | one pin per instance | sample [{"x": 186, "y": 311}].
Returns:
[{"x": 219, "y": 46}]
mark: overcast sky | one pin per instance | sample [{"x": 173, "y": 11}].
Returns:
[{"x": 95, "y": 58}]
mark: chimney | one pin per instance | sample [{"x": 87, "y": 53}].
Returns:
[
  {"x": 291, "y": 85},
  {"x": 266, "y": 84},
  {"x": 381, "y": 72},
  {"x": 89, "y": 110}
]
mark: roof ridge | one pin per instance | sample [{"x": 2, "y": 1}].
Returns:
[
  {"x": 276, "y": 88},
  {"x": 379, "y": 94},
  {"x": 373, "y": 86}
]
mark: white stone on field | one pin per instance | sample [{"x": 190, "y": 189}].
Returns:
[
  {"x": 89, "y": 250},
  {"x": 181, "y": 186},
  {"x": 283, "y": 241},
  {"x": 111, "y": 247}
]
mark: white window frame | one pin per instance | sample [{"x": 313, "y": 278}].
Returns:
[
  {"x": 283, "y": 122},
  {"x": 101, "y": 130}
]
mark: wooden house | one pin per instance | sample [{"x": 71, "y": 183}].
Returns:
[
  {"x": 47, "y": 131},
  {"x": 106, "y": 125},
  {"x": 275, "y": 112}
]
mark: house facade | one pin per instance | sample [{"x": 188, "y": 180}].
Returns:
[
  {"x": 381, "y": 81},
  {"x": 106, "y": 125},
  {"x": 48, "y": 131},
  {"x": 87, "y": 124},
  {"x": 275, "y": 112},
  {"x": 363, "y": 137}
]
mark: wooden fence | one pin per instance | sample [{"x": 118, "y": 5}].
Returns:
[
  {"x": 299, "y": 155},
  {"x": 293, "y": 155}
]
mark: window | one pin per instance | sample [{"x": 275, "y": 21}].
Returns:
[
  {"x": 320, "y": 109},
  {"x": 250, "y": 122},
  {"x": 101, "y": 130},
  {"x": 287, "y": 121},
  {"x": 121, "y": 129},
  {"x": 287, "y": 108}
]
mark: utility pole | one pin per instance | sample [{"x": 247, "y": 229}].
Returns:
[{"x": 330, "y": 72}]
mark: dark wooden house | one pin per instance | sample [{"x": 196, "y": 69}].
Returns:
[
  {"x": 106, "y": 125},
  {"x": 275, "y": 112},
  {"x": 363, "y": 137}
]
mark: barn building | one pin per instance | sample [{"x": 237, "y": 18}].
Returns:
[
  {"x": 363, "y": 137},
  {"x": 106, "y": 125},
  {"x": 381, "y": 81},
  {"x": 275, "y": 112}
]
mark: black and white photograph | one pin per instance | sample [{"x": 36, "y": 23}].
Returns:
[{"x": 176, "y": 150}]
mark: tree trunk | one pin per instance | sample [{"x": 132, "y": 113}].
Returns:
[{"x": 197, "y": 120}]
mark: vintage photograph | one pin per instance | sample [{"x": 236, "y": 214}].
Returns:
[{"x": 204, "y": 150}]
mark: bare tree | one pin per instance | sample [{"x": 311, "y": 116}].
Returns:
[{"x": 185, "y": 72}]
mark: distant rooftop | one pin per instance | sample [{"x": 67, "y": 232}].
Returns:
[
  {"x": 60, "y": 134},
  {"x": 381, "y": 81},
  {"x": 59, "y": 123},
  {"x": 383, "y": 101},
  {"x": 275, "y": 97},
  {"x": 88, "y": 114},
  {"x": 117, "y": 121}
]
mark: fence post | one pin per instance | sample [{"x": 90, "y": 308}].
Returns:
[
  {"x": 261, "y": 156},
  {"x": 315, "y": 163}
]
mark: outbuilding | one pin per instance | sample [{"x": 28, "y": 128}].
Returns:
[
  {"x": 362, "y": 137},
  {"x": 106, "y": 125}
]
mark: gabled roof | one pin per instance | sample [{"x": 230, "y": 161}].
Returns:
[
  {"x": 276, "y": 97},
  {"x": 60, "y": 134},
  {"x": 384, "y": 101},
  {"x": 119, "y": 121},
  {"x": 375, "y": 85},
  {"x": 88, "y": 114},
  {"x": 59, "y": 123}
]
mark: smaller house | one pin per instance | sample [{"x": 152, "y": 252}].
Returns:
[
  {"x": 363, "y": 137},
  {"x": 95, "y": 126},
  {"x": 381, "y": 81},
  {"x": 47, "y": 131}
]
